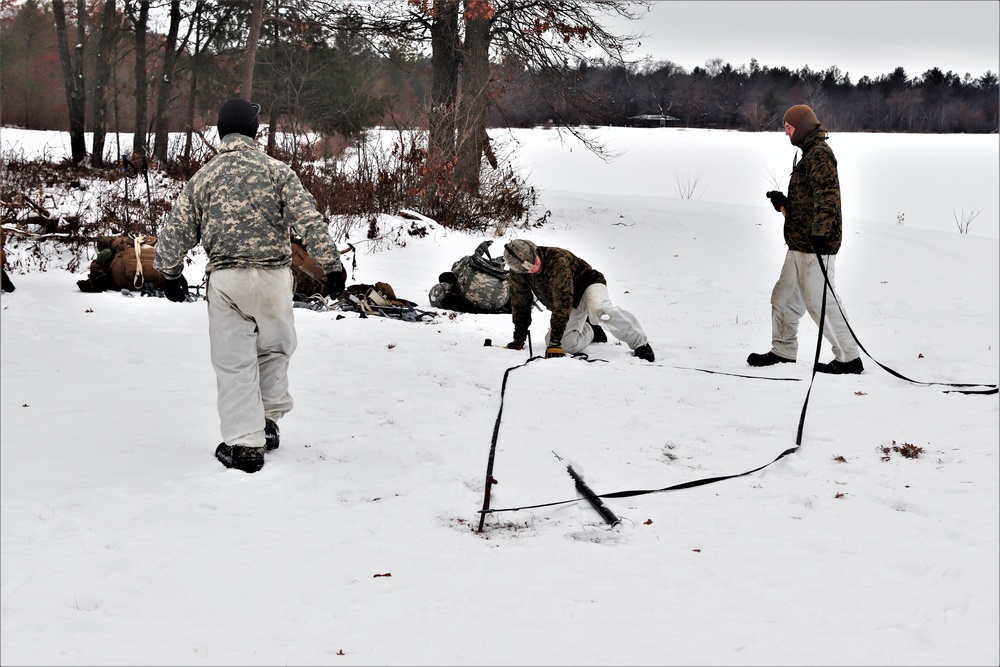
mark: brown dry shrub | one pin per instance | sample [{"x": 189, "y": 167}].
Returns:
[{"x": 906, "y": 450}]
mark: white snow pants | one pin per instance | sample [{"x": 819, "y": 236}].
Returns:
[
  {"x": 251, "y": 331},
  {"x": 596, "y": 304},
  {"x": 800, "y": 289}
]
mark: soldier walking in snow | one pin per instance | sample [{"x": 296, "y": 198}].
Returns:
[{"x": 241, "y": 206}]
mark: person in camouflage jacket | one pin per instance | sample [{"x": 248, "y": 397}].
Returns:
[
  {"x": 241, "y": 207},
  {"x": 813, "y": 232},
  {"x": 576, "y": 295}
]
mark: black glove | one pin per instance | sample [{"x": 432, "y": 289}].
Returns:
[
  {"x": 514, "y": 345},
  {"x": 777, "y": 199},
  {"x": 176, "y": 289},
  {"x": 553, "y": 351},
  {"x": 821, "y": 245},
  {"x": 336, "y": 281}
]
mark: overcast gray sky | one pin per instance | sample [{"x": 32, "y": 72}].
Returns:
[{"x": 860, "y": 38}]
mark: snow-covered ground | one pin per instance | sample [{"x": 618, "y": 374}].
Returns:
[{"x": 125, "y": 542}]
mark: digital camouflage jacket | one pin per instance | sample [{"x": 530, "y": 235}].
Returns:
[
  {"x": 813, "y": 207},
  {"x": 559, "y": 285},
  {"x": 241, "y": 206}
]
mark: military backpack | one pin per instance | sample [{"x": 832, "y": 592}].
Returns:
[{"x": 477, "y": 283}]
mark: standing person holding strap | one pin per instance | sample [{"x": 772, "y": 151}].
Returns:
[{"x": 813, "y": 232}]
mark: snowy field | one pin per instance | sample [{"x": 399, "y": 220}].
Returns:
[{"x": 124, "y": 542}]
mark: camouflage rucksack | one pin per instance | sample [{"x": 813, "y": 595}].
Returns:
[{"x": 477, "y": 283}]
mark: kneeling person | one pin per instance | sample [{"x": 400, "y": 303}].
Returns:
[{"x": 577, "y": 296}]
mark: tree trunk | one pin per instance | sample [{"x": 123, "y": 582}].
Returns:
[
  {"x": 445, "y": 61},
  {"x": 256, "y": 20},
  {"x": 272, "y": 132},
  {"x": 141, "y": 25},
  {"x": 161, "y": 118},
  {"x": 72, "y": 65},
  {"x": 102, "y": 74},
  {"x": 189, "y": 116},
  {"x": 202, "y": 38},
  {"x": 196, "y": 58},
  {"x": 472, "y": 139}
]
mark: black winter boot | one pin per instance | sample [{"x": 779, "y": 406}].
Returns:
[
  {"x": 599, "y": 335},
  {"x": 272, "y": 437},
  {"x": 247, "y": 459},
  {"x": 768, "y": 359},
  {"x": 835, "y": 367},
  {"x": 644, "y": 352}
]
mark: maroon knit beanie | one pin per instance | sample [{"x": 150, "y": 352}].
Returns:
[{"x": 803, "y": 119}]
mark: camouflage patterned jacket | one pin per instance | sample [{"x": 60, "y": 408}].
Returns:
[
  {"x": 240, "y": 206},
  {"x": 813, "y": 207},
  {"x": 559, "y": 285}
]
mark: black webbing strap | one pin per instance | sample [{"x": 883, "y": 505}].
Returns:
[
  {"x": 583, "y": 357},
  {"x": 737, "y": 375},
  {"x": 992, "y": 388},
  {"x": 709, "y": 480},
  {"x": 490, "y": 481},
  {"x": 675, "y": 487}
]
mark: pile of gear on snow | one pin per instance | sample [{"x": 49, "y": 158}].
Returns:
[{"x": 476, "y": 283}]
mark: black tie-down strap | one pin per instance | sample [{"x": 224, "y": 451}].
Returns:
[
  {"x": 490, "y": 481},
  {"x": 962, "y": 388},
  {"x": 629, "y": 494},
  {"x": 990, "y": 388},
  {"x": 738, "y": 375},
  {"x": 593, "y": 498}
]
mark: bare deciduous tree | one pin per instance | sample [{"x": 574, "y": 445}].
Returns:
[
  {"x": 103, "y": 60},
  {"x": 72, "y": 65},
  {"x": 964, "y": 220},
  {"x": 540, "y": 36},
  {"x": 687, "y": 184},
  {"x": 445, "y": 63},
  {"x": 253, "y": 38},
  {"x": 472, "y": 142},
  {"x": 140, "y": 26},
  {"x": 161, "y": 117}
]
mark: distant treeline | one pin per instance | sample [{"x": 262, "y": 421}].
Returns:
[
  {"x": 390, "y": 88},
  {"x": 754, "y": 98}
]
